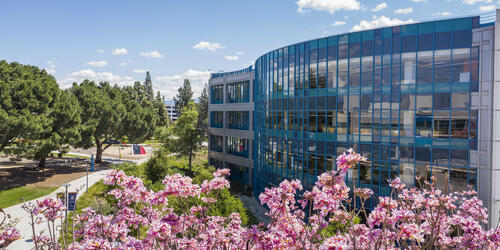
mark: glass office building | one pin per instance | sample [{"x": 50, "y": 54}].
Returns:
[{"x": 416, "y": 100}]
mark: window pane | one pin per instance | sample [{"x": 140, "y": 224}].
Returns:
[
  {"x": 354, "y": 72},
  {"x": 460, "y": 65},
  {"x": 407, "y": 119},
  {"x": 423, "y": 124},
  {"x": 342, "y": 72},
  {"x": 408, "y": 68},
  {"x": 424, "y": 67},
  {"x": 442, "y": 100},
  {"x": 441, "y": 124},
  {"x": 332, "y": 74},
  {"x": 367, "y": 71},
  {"x": 462, "y": 38},
  {"x": 424, "y": 101},
  {"x": 442, "y": 61}
]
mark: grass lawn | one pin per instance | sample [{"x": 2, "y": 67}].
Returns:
[
  {"x": 13, "y": 196},
  {"x": 76, "y": 156}
]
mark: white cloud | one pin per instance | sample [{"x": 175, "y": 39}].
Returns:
[
  {"x": 231, "y": 58},
  {"x": 120, "y": 51},
  {"x": 444, "y": 13},
  {"x": 169, "y": 84},
  {"x": 50, "y": 71},
  {"x": 140, "y": 71},
  {"x": 51, "y": 65},
  {"x": 152, "y": 54},
  {"x": 338, "y": 23},
  {"x": 90, "y": 74},
  {"x": 328, "y": 5},
  {"x": 98, "y": 63},
  {"x": 208, "y": 45},
  {"x": 123, "y": 64},
  {"x": 404, "y": 11},
  {"x": 100, "y": 51},
  {"x": 380, "y": 7},
  {"x": 377, "y": 22},
  {"x": 487, "y": 7},
  {"x": 419, "y": 1},
  {"x": 240, "y": 53},
  {"x": 471, "y": 2}
]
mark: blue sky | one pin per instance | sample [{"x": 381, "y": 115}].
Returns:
[{"x": 117, "y": 41}]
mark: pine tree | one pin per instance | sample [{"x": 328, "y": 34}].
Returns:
[
  {"x": 184, "y": 96},
  {"x": 161, "y": 108},
  {"x": 202, "y": 107},
  {"x": 148, "y": 87}
]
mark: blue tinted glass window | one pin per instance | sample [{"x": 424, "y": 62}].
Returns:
[{"x": 462, "y": 38}]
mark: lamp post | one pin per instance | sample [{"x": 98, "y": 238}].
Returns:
[{"x": 66, "y": 204}]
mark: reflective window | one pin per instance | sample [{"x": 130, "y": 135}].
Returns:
[
  {"x": 460, "y": 65},
  {"x": 442, "y": 63},
  {"x": 238, "y": 92},
  {"x": 332, "y": 74},
  {"x": 407, "y": 119},
  {"x": 240, "y": 120},
  {"x": 216, "y": 119},
  {"x": 441, "y": 124},
  {"x": 354, "y": 72},
  {"x": 366, "y": 71},
  {"x": 237, "y": 146},
  {"x": 424, "y": 67},
  {"x": 408, "y": 68},
  {"x": 423, "y": 122},
  {"x": 216, "y": 143},
  {"x": 343, "y": 68},
  {"x": 442, "y": 100},
  {"x": 216, "y": 96}
]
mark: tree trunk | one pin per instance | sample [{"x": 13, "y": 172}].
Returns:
[
  {"x": 41, "y": 163},
  {"x": 190, "y": 156},
  {"x": 98, "y": 154}
]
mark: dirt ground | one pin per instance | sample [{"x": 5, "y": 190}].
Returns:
[{"x": 56, "y": 173}]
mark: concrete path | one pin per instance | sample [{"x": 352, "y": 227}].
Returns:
[
  {"x": 113, "y": 160},
  {"x": 23, "y": 225}
]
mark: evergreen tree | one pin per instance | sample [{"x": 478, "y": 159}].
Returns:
[
  {"x": 184, "y": 96},
  {"x": 36, "y": 116},
  {"x": 102, "y": 116},
  {"x": 161, "y": 109},
  {"x": 202, "y": 107},
  {"x": 148, "y": 87},
  {"x": 139, "y": 92}
]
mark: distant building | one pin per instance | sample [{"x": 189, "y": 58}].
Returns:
[{"x": 172, "y": 113}]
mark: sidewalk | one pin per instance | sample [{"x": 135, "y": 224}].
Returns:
[{"x": 23, "y": 225}]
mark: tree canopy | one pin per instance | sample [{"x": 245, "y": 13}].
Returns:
[
  {"x": 36, "y": 117},
  {"x": 202, "y": 107},
  {"x": 183, "y": 97},
  {"x": 187, "y": 139}
]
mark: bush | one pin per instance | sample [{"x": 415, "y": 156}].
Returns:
[{"x": 157, "y": 166}]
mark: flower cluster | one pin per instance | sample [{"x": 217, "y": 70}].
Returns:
[
  {"x": 417, "y": 218},
  {"x": 8, "y": 235}
]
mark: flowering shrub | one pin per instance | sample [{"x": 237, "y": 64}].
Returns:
[
  {"x": 424, "y": 218},
  {"x": 8, "y": 233}
]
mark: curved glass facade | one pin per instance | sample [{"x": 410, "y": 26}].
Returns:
[{"x": 399, "y": 95}]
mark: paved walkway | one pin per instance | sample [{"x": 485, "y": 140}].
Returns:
[{"x": 23, "y": 225}]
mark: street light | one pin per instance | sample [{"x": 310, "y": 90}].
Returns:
[{"x": 66, "y": 204}]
